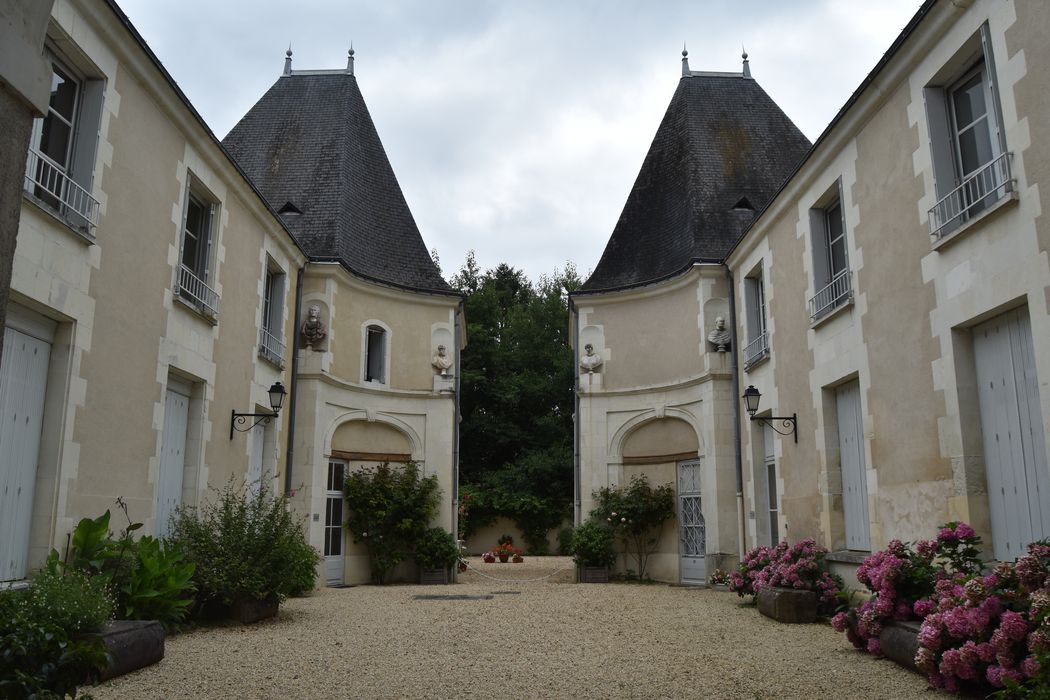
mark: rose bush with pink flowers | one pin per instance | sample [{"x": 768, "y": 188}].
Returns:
[{"x": 801, "y": 566}]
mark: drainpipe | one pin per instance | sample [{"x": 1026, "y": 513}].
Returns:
[
  {"x": 455, "y": 423},
  {"x": 290, "y": 454},
  {"x": 577, "y": 502},
  {"x": 740, "y": 529}
]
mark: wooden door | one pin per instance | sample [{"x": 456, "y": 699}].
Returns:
[
  {"x": 1012, "y": 433},
  {"x": 854, "y": 472},
  {"x": 23, "y": 380},
  {"x": 172, "y": 459}
]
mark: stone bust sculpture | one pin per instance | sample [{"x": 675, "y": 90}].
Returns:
[
  {"x": 441, "y": 361},
  {"x": 589, "y": 361},
  {"x": 720, "y": 337},
  {"x": 314, "y": 330}
]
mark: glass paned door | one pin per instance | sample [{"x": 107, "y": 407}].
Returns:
[
  {"x": 691, "y": 525},
  {"x": 334, "y": 532}
]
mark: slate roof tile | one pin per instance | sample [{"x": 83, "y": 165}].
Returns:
[
  {"x": 310, "y": 142},
  {"x": 722, "y": 139}
]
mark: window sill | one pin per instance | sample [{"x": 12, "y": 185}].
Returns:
[
  {"x": 966, "y": 228},
  {"x": 847, "y": 556},
  {"x": 846, "y": 303},
  {"x": 198, "y": 311},
  {"x": 761, "y": 359},
  {"x": 82, "y": 232},
  {"x": 277, "y": 362}
]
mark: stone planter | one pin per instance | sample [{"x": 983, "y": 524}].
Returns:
[
  {"x": 251, "y": 610},
  {"x": 594, "y": 574},
  {"x": 131, "y": 645},
  {"x": 433, "y": 577},
  {"x": 899, "y": 641},
  {"x": 787, "y": 604}
]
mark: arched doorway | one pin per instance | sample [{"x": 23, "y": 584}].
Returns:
[{"x": 667, "y": 450}]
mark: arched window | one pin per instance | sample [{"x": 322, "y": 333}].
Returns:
[{"x": 375, "y": 354}]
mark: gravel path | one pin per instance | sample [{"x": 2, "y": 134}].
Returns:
[{"x": 546, "y": 639}]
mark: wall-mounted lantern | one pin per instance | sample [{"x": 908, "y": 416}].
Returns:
[
  {"x": 277, "y": 394},
  {"x": 790, "y": 423}
]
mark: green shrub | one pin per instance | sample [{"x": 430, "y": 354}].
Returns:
[
  {"x": 636, "y": 513},
  {"x": 437, "y": 549},
  {"x": 245, "y": 546},
  {"x": 389, "y": 508},
  {"x": 148, "y": 579},
  {"x": 565, "y": 541},
  {"x": 592, "y": 545},
  {"x": 37, "y": 657},
  {"x": 73, "y": 601}
]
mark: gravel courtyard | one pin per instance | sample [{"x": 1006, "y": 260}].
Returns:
[{"x": 549, "y": 639}]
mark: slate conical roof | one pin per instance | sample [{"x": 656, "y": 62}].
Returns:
[
  {"x": 309, "y": 145},
  {"x": 721, "y": 152}
]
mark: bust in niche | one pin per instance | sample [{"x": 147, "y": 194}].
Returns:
[
  {"x": 314, "y": 331},
  {"x": 589, "y": 360},
  {"x": 720, "y": 336},
  {"x": 441, "y": 361}
]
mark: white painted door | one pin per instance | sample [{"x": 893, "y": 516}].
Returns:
[
  {"x": 255, "y": 460},
  {"x": 23, "y": 379},
  {"x": 854, "y": 473},
  {"x": 692, "y": 529},
  {"x": 1012, "y": 432},
  {"x": 172, "y": 459},
  {"x": 334, "y": 532}
]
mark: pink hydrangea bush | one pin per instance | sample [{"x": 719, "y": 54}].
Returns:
[
  {"x": 903, "y": 579},
  {"x": 801, "y": 566},
  {"x": 989, "y": 629}
]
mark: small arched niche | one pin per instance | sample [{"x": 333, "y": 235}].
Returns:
[
  {"x": 660, "y": 440},
  {"x": 359, "y": 440}
]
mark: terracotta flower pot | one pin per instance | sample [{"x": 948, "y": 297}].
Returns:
[{"x": 503, "y": 558}]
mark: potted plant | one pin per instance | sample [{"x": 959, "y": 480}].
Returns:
[
  {"x": 436, "y": 552},
  {"x": 504, "y": 551},
  {"x": 719, "y": 580},
  {"x": 519, "y": 556},
  {"x": 488, "y": 558},
  {"x": 592, "y": 549}
]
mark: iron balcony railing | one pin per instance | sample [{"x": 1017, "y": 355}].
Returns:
[
  {"x": 193, "y": 289},
  {"x": 988, "y": 184},
  {"x": 756, "y": 349},
  {"x": 835, "y": 293},
  {"x": 46, "y": 181},
  {"x": 271, "y": 347}
]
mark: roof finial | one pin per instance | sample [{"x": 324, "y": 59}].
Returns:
[
  {"x": 685, "y": 60},
  {"x": 288, "y": 60},
  {"x": 747, "y": 66},
  {"x": 350, "y": 59}
]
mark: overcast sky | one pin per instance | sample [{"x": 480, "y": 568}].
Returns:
[{"x": 516, "y": 128}]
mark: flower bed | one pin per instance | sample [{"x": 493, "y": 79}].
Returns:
[
  {"x": 978, "y": 629},
  {"x": 801, "y": 566}
]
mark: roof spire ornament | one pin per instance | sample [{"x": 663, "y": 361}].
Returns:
[
  {"x": 685, "y": 60},
  {"x": 350, "y": 59},
  {"x": 747, "y": 66},
  {"x": 288, "y": 60}
]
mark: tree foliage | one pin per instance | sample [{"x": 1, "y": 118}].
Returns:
[{"x": 517, "y": 398}]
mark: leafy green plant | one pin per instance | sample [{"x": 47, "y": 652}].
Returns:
[
  {"x": 148, "y": 579},
  {"x": 565, "y": 541},
  {"x": 161, "y": 586},
  {"x": 437, "y": 549},
  {"x": 389, "y": 508},
  {"x": 38, "y": 659},
  {"x": 636, "y": 513},
  {"x": 592, "y": 544},
  {"x": 244, "y": 546}
]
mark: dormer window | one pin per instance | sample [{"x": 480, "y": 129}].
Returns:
[
  {"x": 289, "y": 209},
  {"x": 743, "y": 204}
]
